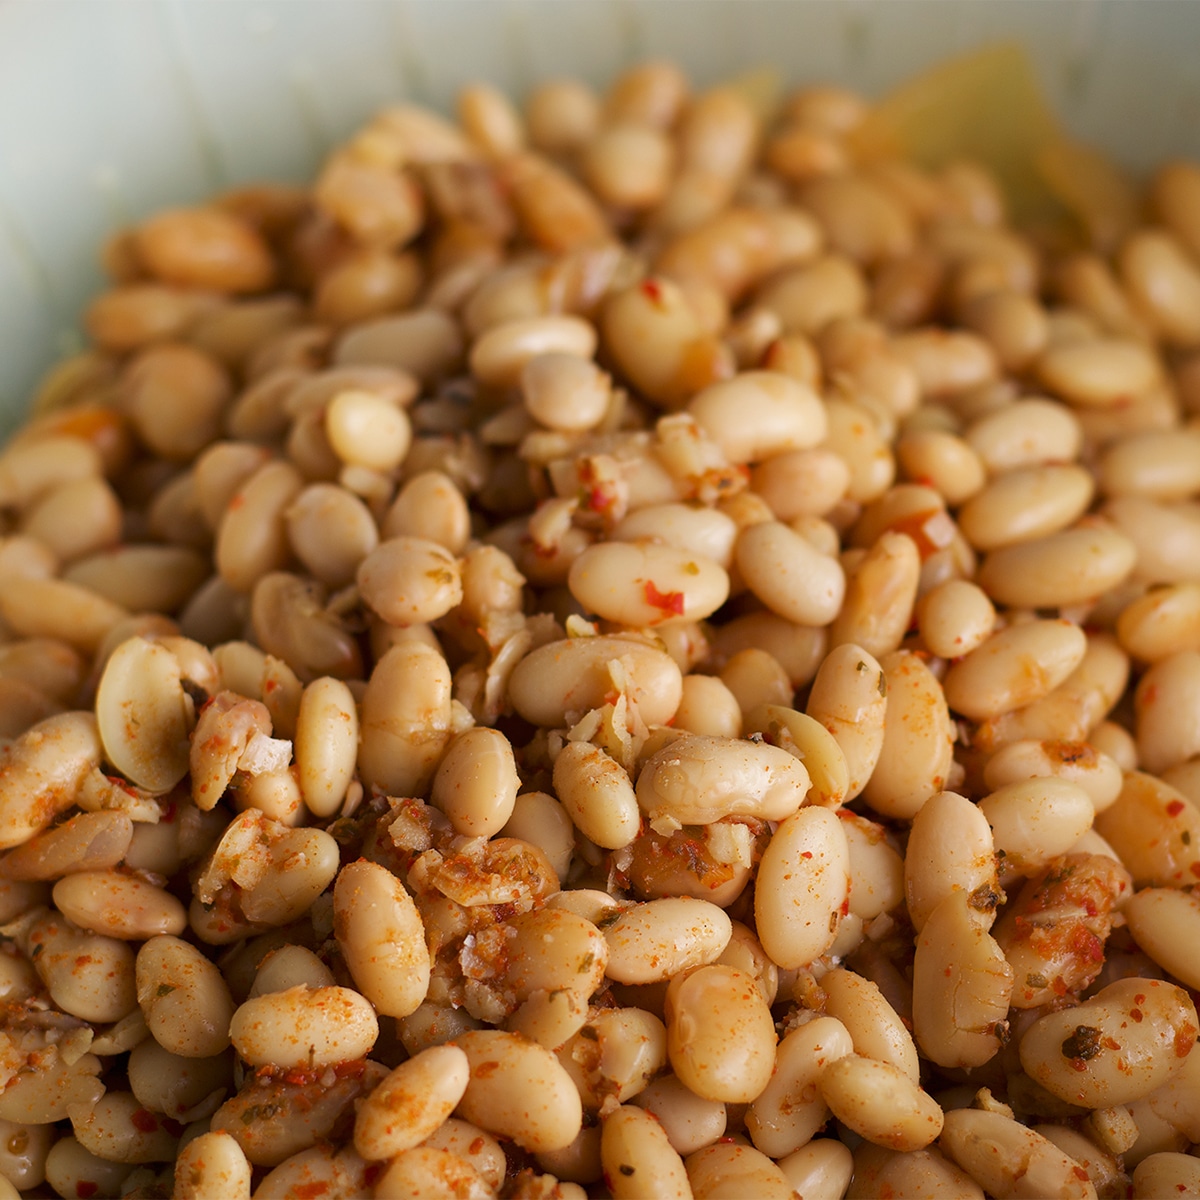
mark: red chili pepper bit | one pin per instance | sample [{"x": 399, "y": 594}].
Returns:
[{"x": 669, "y": 602}]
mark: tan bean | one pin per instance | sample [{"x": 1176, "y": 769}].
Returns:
[
  {"x": 729, "y": 1169},
  {"x": 41, "y": 772},
  {"x": 1166, "y": 1174},
  {"x": 1077, "y": 762},
  {"x": 874, "y": 1027},
  {"x": 118, "y": 906},
  {"x": 857, "y": 440},
  {"x": 1026, "y": 503},
  {"x": 75, "y": 518},
  {"x": 572, "y": 676},
  {"x": 955, "y": 618},
  {"x": 59, "y": 609},
  {"x": 210, "y": 1165},
  {"x": 183, "y": 998},
  {"x": 918, "y": 740},
  {"x": 1009, "y": 1160},
  {"x": 808, "y": 298},
  {"x": 822, "y": 1170},
  {"x": 696, "y": 780},
  {"x": 1098, "y": 374},
  {"x": 1035, "y": 821},
  {"x": 48, "y": 1087},
  {"x": 1025, "y": 433},
  {"x": 472, "y": 1144},
  {"x": 204, "y": 248},
  {"x": 117, "y": 1128},
  {"x": 961, "y": 985},
  {"x": 85, "y": 842},
  {"x": 304, "y": 1028},
  {"x": 424, "y": 1170},
  {"x": 596, "y": 793},
  {"x": 786, "y": 416},
  {"x": 382, "y": 938},
  {"x": 411, "y": 1103},
  {"x": 801, "y": 482},
  {"x": 1164, "y": 534},
  {"x": 1164, "y": 621},
  {"x": 1164, "y": 922},
  {"x": 849, "y": 698},
  {"x": 519, "y": 1090},
  {"x": 880, "y": 1102},
  {"x": 23, "y": 1152},
  {"x": 287, "y": 967},
  {"x": 1058, "y": 570},
  {"x": 405, "y": 719},
  {"x": 614, "y": 1055},
  {"x": 720, "y": 1036},
  {"x": 538, "y": 818},
  {"x": 252, "y": 535},
  {"x": 636, "y": 1154},
  {"x": 803, "y": 887},
  {"x": 1014, "y": 668},
  {"x": 789, "y": 575},
  {"x": 1157, "y": 829},
  {"x": 1118, "y": 1046},
  {"x": 790, "y": 1110},
  {"x": 643, "y": 584},
  {"x": 689, "y": 1121},
  {"x": 879, "y": 598},
  {"x": 798, "y": 649},
  {"x": 653, "y": 942},
  {"x": 708, "y": 707},
  {"x": 1163, "y": 284}
]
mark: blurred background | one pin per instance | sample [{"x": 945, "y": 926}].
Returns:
[{"x": 112, "y": 108}]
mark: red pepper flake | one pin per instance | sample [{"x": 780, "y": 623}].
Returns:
[
  {"x": 669, "y": 602},
  {"x": 144, "y": 1121},
  {"x": 310, "y": 1191},
  {"x": 1080, "y": 1173},
  {"x": 1174, "y": 808},
  {"x": 169, "y": 812},
  {"x": 652, "y": 289},
  {"x": 1195, "y": 869},
  {"x": 85, "y": 1189},
  {"x": 806, "y": 854}
]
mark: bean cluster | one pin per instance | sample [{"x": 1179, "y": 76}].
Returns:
[{"x": 622, "y": 647}]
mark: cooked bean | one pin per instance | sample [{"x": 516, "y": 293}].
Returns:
[
  {"x": 1158, "y": 830},
  {"x": 759, "y": 414},
  {"x": 614, "y": 1055},
  {"x": 658, "y": 940},
  {"x": 304, "y": 1027},
  {"x": 1009, "y": 1160},
  {"x": 212, "y": 1165},
  {"x": 405, "y": 719},
  {"x": 873, "y": 1025},
  {"x": 1166, "y": 1174},
  {"x": 810, "y": 742},
  {"x": 880, "y": 1102},
  {"x": 961, "y": 984},
  {"x": 117, "y": 1128},
  {"x": 950, "y": 848},
  {"x": 822, "y": 1170},
  {"x": 1025, "y": 433},
  {"x": 849, "y": 698},
  {"x": 729, "y": 1169},
  {"x": 1164, "y": 922},
  {"x": 697, "y": 779},
  {"x": 1036, "y": 820},
  {"x": 1100, "y": 373},
  {"x": 720, "y": 1036},
  {"x": 596, "y": 794},
  {"x": 85, "y": 842},
  {"x": 707, "y": 706},
  {"x": 59, "y": 609},
  {"x": 857, "y": 440},
  {"x": 1058, "y": 570},
  {"x": 252, "y": 535},
  {"x": 183, "y": 998},
  {"x": 381, "y": 937},
  {"x": 1026, "y": 503},
  {"x": 1078, "y": 762},
  {"x": 118, "y": 905},
  {"x": 519, "y": 1090},
  {"x": 690, "y": 1121},
  {"x": 789, "y": 575},
  {"x": 917, "y": 751},
  {"x": 411, "y": 1103},
  {"x": 636, "y": 1154},
  {"x": 790, "y": 1110},
  {"x": 1121, "y": 1044},
  {"x": 573, "y": 676}
]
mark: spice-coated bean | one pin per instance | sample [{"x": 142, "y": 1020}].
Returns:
[
  {"x": 849, "y": 698},
  {"x": 918, "y": 740},
  {"x": 411, "y": 1102},
  {"x": 1165, "y": 923},
  {"x": 212, "y": 1164},
  {"x": 1014, "y": 667},
  {"x": 1009, "y": 1160},
  {"x": 1164, "y": 1174},
  {"x": 117, "y": 1128},
  {"x": 1165, "y": 536},
  {"x": 1158, "y": 831},
  {"x": 697, "y": 779},
  {"x": 615, "y": 1054},
  {"x": 720, "y": 1036},
  {"x": 1162, "y": 622},
  {"x": 961, "y": 985},
  {"x": 119, "y": 906},
  {"x": 790, "y": 1110},
  {"x": 252, "y": 535},
  {"x": 950, "y": 848},
  {"x": 405, "y": 719},
  {"x": 381, "y": 937},
  {"x": 732, "y": 1169},
  {"x": 874, "y": 1026},
  {"x": 657, "y": 940},
  {"x": 636, "y": 1154},
  {"x": 857, "y": 440},
  {"x": 573, "y": 676},
  {"x": 1035, "y": 820},
  {"x": 1118, "y": 1046},
  {"x": 880, "y": 1102},
  {"x": 304, "y": 1027},
  {"x": 810, "y": 741},
  {"x": 596, "y": 793},
  {"x": 706, "y": 532},
  {"x": 822, "y": 1170},
  {"x": 759, "y": 414},
  {"x": 1025, "y": 433},
  {"x": 803, "y": 887},
  {"x": 1077, "y": 762},
  {"x": 183, "y": 998},
  {"x": 690, "y": 1121},
  {"x": 538, "y": 818},
  {"x": 519, "y": 1090},
  {"x": 642, "y": 584}
]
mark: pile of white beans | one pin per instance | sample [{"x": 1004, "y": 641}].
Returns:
[{"x": 610, "y": 648}]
